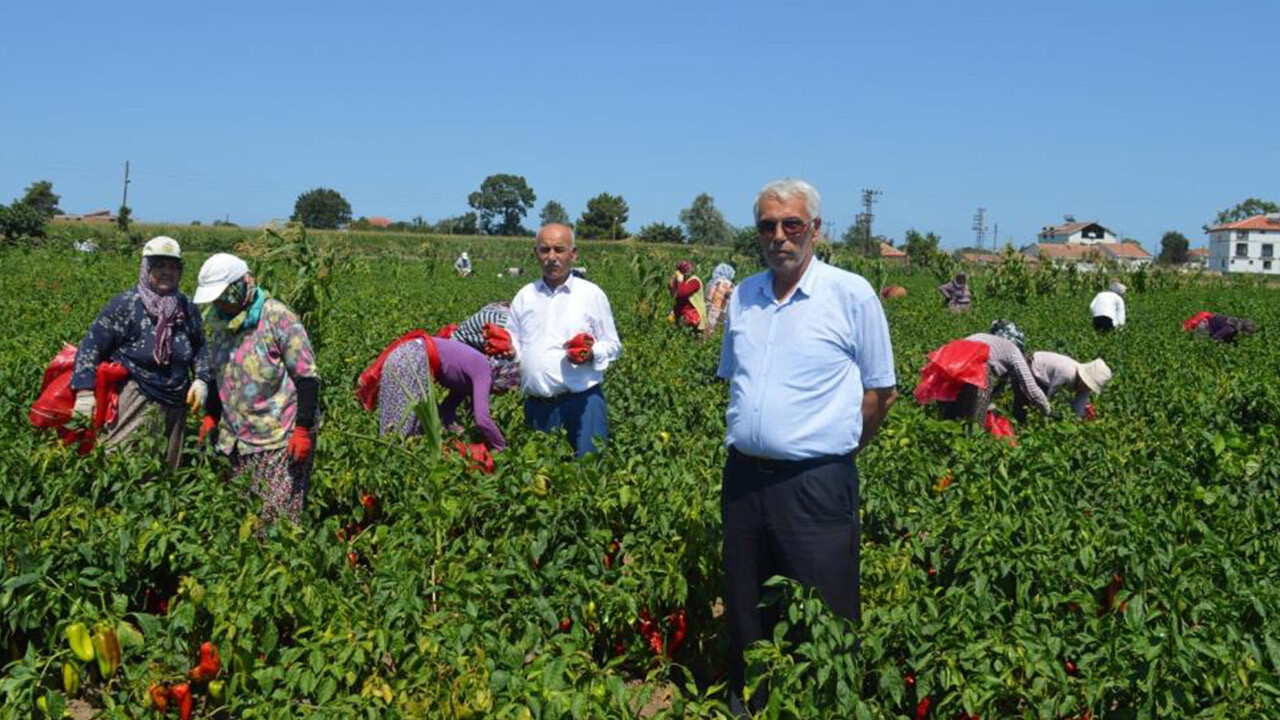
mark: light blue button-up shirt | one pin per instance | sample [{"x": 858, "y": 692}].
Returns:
[{"x": 797, "y": 370}]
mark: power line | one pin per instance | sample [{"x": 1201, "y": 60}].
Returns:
[
  {"x": 980, "y": 226},
  {"x": 869, "y": 197}
]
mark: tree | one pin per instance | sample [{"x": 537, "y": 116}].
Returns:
[
  {"x": 20, "y": 220},
  {"x": 704, "y": 222},
  {"x": 661, "y": 233},
  {"x": 322, "y": 208},
  {"x": 124, "y": 218},
  {"x": 920, "y": 248},
  {"x": 856, "y": 238},
  {"x": 604, "y": 218},
  {"x": 1246, "y": 209},
  {"x": 502, "y": 201},
  {"x": 1173, "y": 248},
  {"x": 553, "y": 212},
  {"x": 42, "y": 198},
  {"x": 465, "y": 224}
]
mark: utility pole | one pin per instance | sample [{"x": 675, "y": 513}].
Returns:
[
  {"x": 125, "y": 201},
  {"x": 995, "y": 243},
  {"x": 869, "y": 197},
  {"x": 980, "y": 226}
]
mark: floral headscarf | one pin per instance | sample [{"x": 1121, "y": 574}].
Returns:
[{"x": 723, "y": 271}]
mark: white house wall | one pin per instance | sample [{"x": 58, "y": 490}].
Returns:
[{"x": 1223, "y": 257}]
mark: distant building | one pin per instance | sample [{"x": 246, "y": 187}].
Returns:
[
  {"x": 380, "y": 222},
  {"x": 1197, "y": 258},
  {"x": 981, "y": 258},
  {"x": 97, "y": 216},
  {"x": 1077, "y": 233},
  {"x": 1089, "y": 256},
  {"x": 1246, "y": 246},
  {"x": 891, "y": 253}
]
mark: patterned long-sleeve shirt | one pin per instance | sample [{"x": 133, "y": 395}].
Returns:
[
  {"x": 717, "y": 300},
  {"x": 256, "y": 369},
  {"x": 125, "y": 333},
  {"x": 506, "y": 372},
  {"x": 1007, "y": 361}
]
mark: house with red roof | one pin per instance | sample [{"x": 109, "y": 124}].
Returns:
[
  {"x": 1076, "y": 233},
  {"x": 1246, "y": 246}
]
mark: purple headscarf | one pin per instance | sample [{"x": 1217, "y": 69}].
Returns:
[{"x": 164, "y": 308}]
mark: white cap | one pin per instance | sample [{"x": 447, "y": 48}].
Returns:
[
  {"x": 216, "y": 274},
  {"x": 1094, "y": 374},
  {"x": 162, "y": 246}
]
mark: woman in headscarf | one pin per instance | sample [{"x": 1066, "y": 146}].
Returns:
[
  {"x": 155, "y": 332},
  {"x": 265, "y": 386},
  {"x": 955, "y": 294},
  {"x": 1006, "y": 363},
  {"x": 1224, "y": 328},
  {"x": 506, "y": 372},
  {"x": 719, "y": 290},
  {"x": 686, "y": 290},
  {"x": 459, "y": 368}
]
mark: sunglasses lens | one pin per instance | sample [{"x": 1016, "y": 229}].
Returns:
[
  {"x": 793, "y": 225},
  {"x": 767, "y": 227}
]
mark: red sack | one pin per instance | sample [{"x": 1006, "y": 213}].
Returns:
[
  {"x": 950, "y": 368},
  {"x": 1000, "y": 427},
  {"x": 53, "y": 408},
  {"x": 477, "y": 455},
  {"x": 367, "y": 385},
  {"x": 1190, "y": 323},
  {"x": 447, "y": 331}
]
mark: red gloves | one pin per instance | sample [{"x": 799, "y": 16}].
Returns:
[
  {"x": 207, "y": 424},
  {"x": 497, "y": 341},
  {"x": 579, "y": 348},
  {"x": 477, "y": 455},
  {"x": 300, "y": 444}
]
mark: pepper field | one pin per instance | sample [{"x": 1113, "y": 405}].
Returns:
[{"x": 1123, "y": 568}]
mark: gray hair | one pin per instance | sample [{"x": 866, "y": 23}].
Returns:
[{"x": 786, "y": 189}]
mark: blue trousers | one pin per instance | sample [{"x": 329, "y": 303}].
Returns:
[{"x": 583, "y": 416}]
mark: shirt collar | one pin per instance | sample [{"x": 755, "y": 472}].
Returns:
[
  {"x": 566, "y": 286},
  {"x": 804, "y": 287}
]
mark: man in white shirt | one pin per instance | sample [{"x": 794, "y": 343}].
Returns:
[
  {"x": 563, "y": 336},
  {"x": 1108, "y": 308}
]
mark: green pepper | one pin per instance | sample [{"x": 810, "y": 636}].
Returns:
[
  {"x": 42, "y": 702},
  {"x": 107, "y": 647},
  {"x": 70, "y": 678},
  {"x": 217, "y": 690},
  {"x": 78, "y": 638}
]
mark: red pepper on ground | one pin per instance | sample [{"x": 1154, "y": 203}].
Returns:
[{"x": 565, "y": 624}]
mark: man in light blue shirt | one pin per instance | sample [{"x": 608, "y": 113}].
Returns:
[{"x": 810, "y": 369}]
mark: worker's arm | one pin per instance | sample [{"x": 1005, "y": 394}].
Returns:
[{"x": 875, "y": 407}]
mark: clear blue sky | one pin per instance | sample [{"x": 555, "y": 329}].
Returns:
[{"x": 1146, "y": 116}]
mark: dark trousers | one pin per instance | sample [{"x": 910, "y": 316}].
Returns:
[
  {"x": 583, "y": 415},
  {"x": 795, "y": 519},
  {"x": 1102, "y": 323}
]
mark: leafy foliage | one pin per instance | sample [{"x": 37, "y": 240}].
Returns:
[
  {"x": 705, "y": 224},
  {"x": 322, "y": 208},
  {"x": 449, "y": 600},
  {"x": 553, "y": 212},
  {"x": 41, "y": 197},
  {"x": 1173, "y": 248},
  {"x": 604, "y": 219},
  {"x": 20, "y": 220},
  {"x": 502, "y": 201},
  {"x": 661, "y": 233},
  {"x": 1247, "y": 209}
]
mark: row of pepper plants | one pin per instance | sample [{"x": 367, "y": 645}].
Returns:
[{"x": 1119, "y": 568}]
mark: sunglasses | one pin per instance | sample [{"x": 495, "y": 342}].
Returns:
[{"x": 790, "y": 226}]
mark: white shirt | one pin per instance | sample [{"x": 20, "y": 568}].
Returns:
[
  {"x": 1109, "y": 305},
  {"x": 542, "y": 321}
]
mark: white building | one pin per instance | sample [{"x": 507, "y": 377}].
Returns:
[
  {"x": 1246, "y": 246},
  {"x": 1077, "y": 233}
]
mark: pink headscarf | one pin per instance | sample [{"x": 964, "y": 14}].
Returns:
[{"x": 164, "y": 308}]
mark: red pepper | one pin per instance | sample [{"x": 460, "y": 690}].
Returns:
[
  {"x": 922, "y": 708},
  {"x": 209, "y": 665},
  {"x": 649, "y": 631},
  {"x": 565, "y": 624},
  {"x": 181, "y": 694},
  {"x": 909, "y": 679},
  {"x": 1069, "y": 666},
  {"x": 159, "y": 697},
  {"x": 680, "y": 627}
]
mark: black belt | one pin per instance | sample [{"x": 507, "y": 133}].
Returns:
[
  {"x": 557, "y": 398},
  {"x": 770, "y": 466}
]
